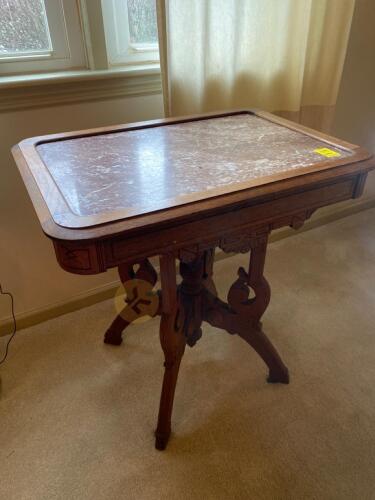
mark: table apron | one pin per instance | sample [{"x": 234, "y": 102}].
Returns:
[{"x": 230, "y": 230}]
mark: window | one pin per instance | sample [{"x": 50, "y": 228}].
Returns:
[
  {"x": 24, "y": 29},
  {"x": 131, "y": 31},
  {"x": 40, "y": 35},
  {"x": 50, "y": 35}
]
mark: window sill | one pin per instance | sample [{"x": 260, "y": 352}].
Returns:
[{"x": 51, "y": 89}]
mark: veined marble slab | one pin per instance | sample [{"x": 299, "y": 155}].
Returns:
[{"x": 140, "y": 169}]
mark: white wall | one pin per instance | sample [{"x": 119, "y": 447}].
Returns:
[
  {"x": 28, "y": 266},
  {"x": 355, "y": 110}
]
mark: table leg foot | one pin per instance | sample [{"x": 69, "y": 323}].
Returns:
[
  {"x": 112, "y": 338},
  {"x": 161, "y": 440},
  {"x": 113, "y": 335},
  {"x": 280, "y": 376},
  {"x": 278, "y": 372}
]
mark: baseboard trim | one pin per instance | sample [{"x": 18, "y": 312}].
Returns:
[{"x": 34, "y": 317}]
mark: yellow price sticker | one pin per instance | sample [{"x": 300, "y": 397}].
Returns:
[{"x": 329, "y": 153}]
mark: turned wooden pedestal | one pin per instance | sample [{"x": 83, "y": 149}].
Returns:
[{"x": 184, "y": 308}]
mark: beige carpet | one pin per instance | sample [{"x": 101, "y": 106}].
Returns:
[{"x": 77, "y": 416}]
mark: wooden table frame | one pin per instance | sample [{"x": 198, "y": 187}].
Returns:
[{"x": 238, "y": 221}]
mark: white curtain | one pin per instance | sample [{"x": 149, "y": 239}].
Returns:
[{"x": 284, "y": 56}]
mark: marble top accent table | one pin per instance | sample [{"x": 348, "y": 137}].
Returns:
[{"x": 177, "y": 189}]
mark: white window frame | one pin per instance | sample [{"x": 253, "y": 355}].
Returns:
[
  {"x": 90, "y": 38},
  {"x": 67, "y": 41},
  {"x": 120, "y": 50}
]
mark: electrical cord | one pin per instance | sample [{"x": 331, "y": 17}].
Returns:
[{"x": 14, "y": 324}]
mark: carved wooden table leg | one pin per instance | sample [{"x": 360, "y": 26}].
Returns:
[
  {"x": 241, "y": 315},
  {"x": 184, "y": 308},
  {"x": 223, "y": 317},
  {"x": 173, "y": 343},
  {"x": 145, "y": 272}
]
